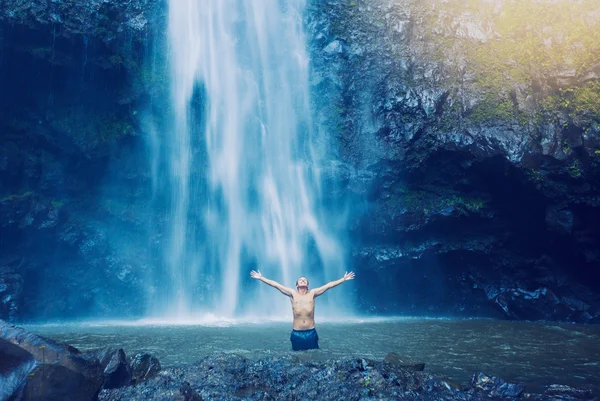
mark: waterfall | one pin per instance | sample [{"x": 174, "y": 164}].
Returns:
[{"x": 240, "y": 161}]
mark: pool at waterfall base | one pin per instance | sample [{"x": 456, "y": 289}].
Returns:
[{"x": 535, "y": 354}]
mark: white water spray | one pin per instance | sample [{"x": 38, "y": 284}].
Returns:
[{"x": 240, "y": 165}]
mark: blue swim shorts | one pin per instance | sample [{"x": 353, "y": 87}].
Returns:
[{"x": 304, "y": 339}]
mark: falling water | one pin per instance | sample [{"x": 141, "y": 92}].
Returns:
[{"x": 240, "y": 161}]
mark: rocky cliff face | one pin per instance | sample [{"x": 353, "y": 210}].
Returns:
[
  {"x": 469, "y": 145},
  {"x": 465, "y": 147},
  {"x": 74, "y": 186}
]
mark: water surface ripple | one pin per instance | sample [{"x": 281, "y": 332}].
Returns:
[{"x": 536, "y": 354}]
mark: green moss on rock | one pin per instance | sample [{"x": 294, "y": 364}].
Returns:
[
  {"x": 18, "y": 196},
  {"x": 437, "y": 200},
  {"x": 90, "y": 129},
  {"x": 526, "y": 41}
]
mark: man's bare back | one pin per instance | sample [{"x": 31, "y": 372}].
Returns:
[{"x": 304, "y": 335}]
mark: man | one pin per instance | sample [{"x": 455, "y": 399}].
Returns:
[{"x": 304, "y": 335}]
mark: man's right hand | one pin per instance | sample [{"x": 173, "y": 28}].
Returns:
[
  {"x": 348, "y": 276},
  {"x": 256, "y": 274}
]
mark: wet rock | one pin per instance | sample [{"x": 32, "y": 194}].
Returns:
[
  {"x": 576, "y": 305},
  {"x": 15, "y": 365},
  {"x": 76, "y": 18},
  {"x": 189, "y": 393},
  {"x": 62, "y": 382},
  {"x": 281, "y": 378},
  {"x": 10, "y": 291},
  {"x": 397, "y": 115},
  {"x": 333, "y": 48},
  {"x": 57, "y": 371},
  {"x": 144, "y": 367},
  {"x": 438, "y": 384},
  {"x": 518, "y": 303},
  {"x": 559, "y": 220},
  {"x": 42, "y": 349},
  {"x": 495, "y": 387},
  {"x": 118, "y": 372},
  {"x": 32, "y": 365}
]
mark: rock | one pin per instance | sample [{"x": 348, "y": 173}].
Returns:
[
  {"x": 15, "y": 365},
  {"x": 443, "y": 385},
  {"x": 33, "y": 365},
  {"x": 575, "y": 304},
  {"x": 103, "y": 355},
  {"x": 42, "y": 349},
  {"x": 333, "y": 48},
  {"x": 51, "y": 381},
  {"x": 10, "y": 290},
  {"x": 144, "y": 367},
  {"x": 495, "y": 387},
  {"x": 118, "y": 372},
  {"x": 518, "y": 303},
  {"x": 220, "y": 376},
  {"x": 410, "y": 109},
  {"x": 189, "y": 393},
  {"x": 396, "y": 360},
  {"x": 44, "y": 367},
  {"x": 559, "y": 220}
]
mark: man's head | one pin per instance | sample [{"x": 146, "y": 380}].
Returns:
[{"x": 302, "y": 282}]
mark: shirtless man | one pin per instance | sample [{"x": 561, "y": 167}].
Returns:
[{"x": 304, "y": 335}]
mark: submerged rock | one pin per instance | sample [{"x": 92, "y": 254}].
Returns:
[{"x": 393, "y": 359}]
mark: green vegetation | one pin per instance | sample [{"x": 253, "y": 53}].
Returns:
[
  {"x": 532, "y": 41},
  {"x": 368, "y": 384},
  {"x": 535, "y": 175},
  {"x": 492, "y": 109},
  {"x": 435, "y": 200},
  {"x": 534, "y": 38},
  {"x": 14, "y": 197},
  {"x": 576, "y": 102},
  {"x": 57, "y": 204},
  {"x": 89, "y": 129},
  {"x": 575, "y": 169},
  {"x": 566, "y": 148}
]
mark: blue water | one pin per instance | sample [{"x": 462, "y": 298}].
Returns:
[{"x": 536, "y": 354}]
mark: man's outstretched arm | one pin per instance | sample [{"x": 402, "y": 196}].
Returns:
[
  {"x": 331, "y": 284},
  {"x": 284, "y": 290}
]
